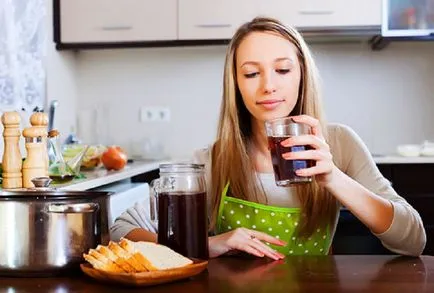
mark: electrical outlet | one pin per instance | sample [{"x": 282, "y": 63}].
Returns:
[
  {"x": 147, "y": 114},
  {"x": 163, "y": 114},
  {"x": 154, "y": 114}
]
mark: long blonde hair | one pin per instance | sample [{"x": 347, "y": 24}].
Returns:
[{"x": 230, "y": 157}]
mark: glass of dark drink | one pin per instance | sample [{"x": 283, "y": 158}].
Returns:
[
  {"x": 179, "y": 208},
  {"x": 284, "y": 170}
]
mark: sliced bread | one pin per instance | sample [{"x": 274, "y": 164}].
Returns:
[
  {"x": 155, "y": 256},
  {"x": 98, "y": 264},
  {"x": 102, "y": 258},
  {"x": 120, "y": 261},
  {"x": 122, "y": 253}
]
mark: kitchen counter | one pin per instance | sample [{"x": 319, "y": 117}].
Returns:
[
  {"x": 402, "y": 160},
  {"x": 338, "y": 273},
  {"x": 101, "y": 176}
]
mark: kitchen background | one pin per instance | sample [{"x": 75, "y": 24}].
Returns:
[{"x": 386, "y": 96}]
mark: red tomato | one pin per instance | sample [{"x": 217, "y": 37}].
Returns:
[{"x": 114, "y": 158}]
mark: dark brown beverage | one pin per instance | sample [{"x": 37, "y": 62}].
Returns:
[
  {"x": 183, "y": 223},
  {"x": 284, "y": 170}
]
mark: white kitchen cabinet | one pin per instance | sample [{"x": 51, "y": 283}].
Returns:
[
  {"x": 325, "y": 13},
  {"x": 210, "y": 19},
  {"x": 107, "y": 21},
  {"x": 85, "y": 23},
  {"x": 124, "y": 196}
]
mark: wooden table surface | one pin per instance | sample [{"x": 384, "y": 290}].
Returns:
[{"x": 340, "y": 273}]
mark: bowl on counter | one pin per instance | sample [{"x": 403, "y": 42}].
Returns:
[
  {"x": 409, "y": 150},
  {"x": 427, "y": 149},
  {"x": 91, "y": 159}
]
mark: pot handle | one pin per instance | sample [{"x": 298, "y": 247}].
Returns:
[
  {"x": 153, "y": 200},
  {"x": 72, "y": 208}
]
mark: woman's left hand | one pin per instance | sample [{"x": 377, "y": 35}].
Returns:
[{"x": 324, "y": 167}]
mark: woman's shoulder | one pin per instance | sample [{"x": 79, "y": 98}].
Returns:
[
  {"x": 338, "y": 132},
  {"x": 344, "y": 143},
  {"x": 202, "y": 155}
]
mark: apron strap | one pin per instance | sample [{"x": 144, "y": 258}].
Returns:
[{"x": 221, "y": 204}]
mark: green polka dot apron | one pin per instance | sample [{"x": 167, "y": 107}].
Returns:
[{"x": 279, "y": 222}]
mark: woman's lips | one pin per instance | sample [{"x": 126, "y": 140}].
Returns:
[{"x": 270, "y": 104}]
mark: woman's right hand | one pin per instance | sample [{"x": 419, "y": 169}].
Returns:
[{"x": 243, "y": 239}]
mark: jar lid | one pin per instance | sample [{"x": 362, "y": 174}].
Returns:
[{"x": 181, "y": 168}]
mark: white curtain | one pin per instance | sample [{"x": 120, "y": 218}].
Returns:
[{"x": 22, "y": 51}]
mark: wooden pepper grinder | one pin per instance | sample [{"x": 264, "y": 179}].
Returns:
[
  {"x": 12, "y": 160},
  {"x": 34, "y": 164},
  {"x": 40, "y": 120}
]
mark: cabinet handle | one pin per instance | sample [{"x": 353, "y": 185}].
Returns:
[
  {"x": 117, "y": 28},
  {"x": 216, "y": 25},
  {"x": 321, "y": 12}
]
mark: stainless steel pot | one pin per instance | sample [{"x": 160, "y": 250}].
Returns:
[{"x": 46, "y": 232}]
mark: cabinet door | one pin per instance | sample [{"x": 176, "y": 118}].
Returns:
[
  {"x": 358, "y": 12},
  {"x": 326, "y": 13},
  {"x": 210, "y": 19},
  {"x": 95, "y": 21}
]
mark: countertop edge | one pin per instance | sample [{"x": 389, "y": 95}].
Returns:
[
  {"x": 402, "y": 160},
  {"x": 102, "y": 177}
]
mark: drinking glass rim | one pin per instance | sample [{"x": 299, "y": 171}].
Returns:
[
  {"x": 280, "y": 119},
  {"x": 284, "y": 126}
]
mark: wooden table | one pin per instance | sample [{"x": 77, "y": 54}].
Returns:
[{"x": 344, "y": 273}]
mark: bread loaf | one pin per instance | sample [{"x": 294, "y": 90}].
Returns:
[
  {"x": 101, "y": 265},
  {"x": 122, "y": 253},
  {"x": 120, "y": 261},
  {"x": 134, "y": 257},
  {"x": 155, "y": 256}
]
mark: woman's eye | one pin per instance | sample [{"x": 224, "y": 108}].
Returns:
[
  {"x": 251, "y": 75},
  {"x": 282, "y": 71}
]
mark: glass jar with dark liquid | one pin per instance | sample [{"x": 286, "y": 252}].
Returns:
[
  {"x": 179, "y": 208},
  {"x": 279, "y": 130}
]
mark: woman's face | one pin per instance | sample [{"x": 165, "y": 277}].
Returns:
[{"x": 268, "y": 75}]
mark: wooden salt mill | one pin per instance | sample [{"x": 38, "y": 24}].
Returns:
[
  {"x": 12, "y": 160},
  {"x": 34, "y": 164},
  {"x": 40, "y": 120}
]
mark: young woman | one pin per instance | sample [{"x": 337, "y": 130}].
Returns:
[{"x": 270, "y": 73}]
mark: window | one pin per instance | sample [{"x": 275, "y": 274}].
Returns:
[{"x": 22, "y": 54}]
